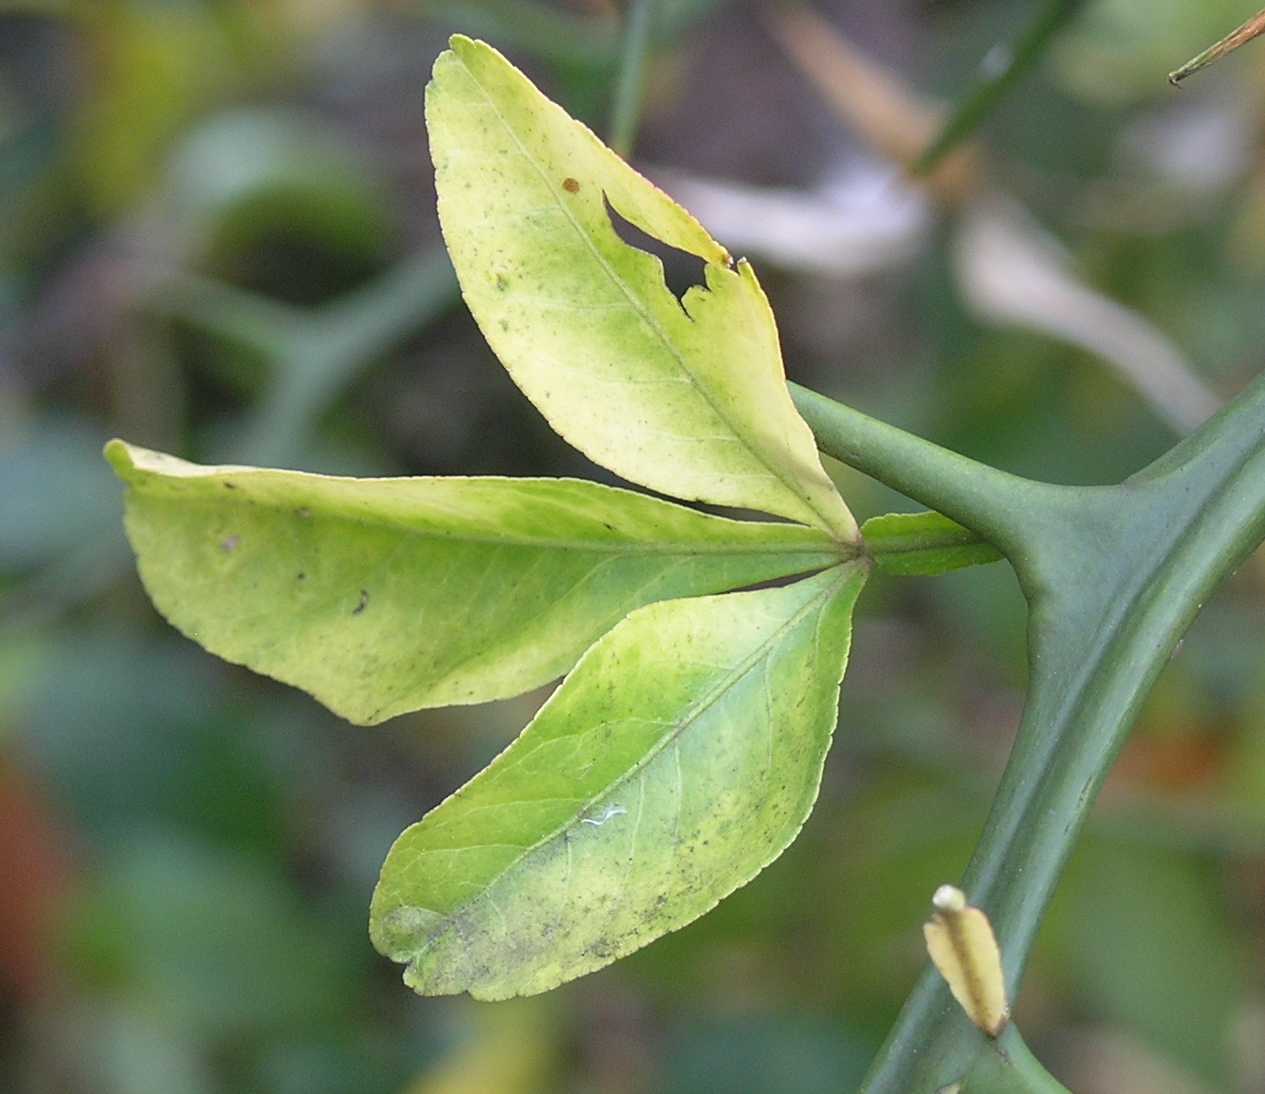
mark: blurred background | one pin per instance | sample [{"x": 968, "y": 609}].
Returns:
[{"x": 218, "y": 238}]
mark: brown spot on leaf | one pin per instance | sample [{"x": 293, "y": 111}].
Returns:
[{"x": 571, "y": 186}]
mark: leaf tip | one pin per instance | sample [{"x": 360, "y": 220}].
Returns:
[
  {"x": 460, "y": 49},
  {"x": 121, "y": 456},
  {"x": 468, "y": 49}
]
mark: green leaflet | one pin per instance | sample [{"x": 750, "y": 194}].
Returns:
[
  {"x": 381, "y": 596},
  {"x": 678, "y": 759},
  {"x": 687, "y": 397},
  {"x": 923, "y": 544}
]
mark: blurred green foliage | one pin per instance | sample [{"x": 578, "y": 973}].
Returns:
[{"x": 218, "y": 239}]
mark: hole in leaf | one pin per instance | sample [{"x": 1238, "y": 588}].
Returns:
[{"x": 681, "y": 270}]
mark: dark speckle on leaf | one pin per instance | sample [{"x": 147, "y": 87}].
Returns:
[
  {"x": 364, "y": 602},
  {"x": 502, "y": 282},
  {"x": 305, "y": 513},
  {"x": 230, "y": 486}
]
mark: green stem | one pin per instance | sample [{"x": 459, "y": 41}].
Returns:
[
  {"x": 630, "y": 88},
  {"x": 994, "y": 85},
  {"x": 1113, "y": 577},
  {"x": 997, "y": 505},
  {"x": 326, "y": 349},
  {"x": 573, "y": 41},
  {"x": 227, "y": 311},
  {"x": 548, "y": 32}
]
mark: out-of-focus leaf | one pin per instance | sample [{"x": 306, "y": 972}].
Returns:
[
  {"x": 382, "y": 596},
  {"x": 679, "y": 758},
  {"x": 127, "y": 729},
  {"x": 1144, "y": 933},
  {"x": 155, "y": 65},
  {"x": 132, "y": 1050},
  {"x": 248, "y": 173},
  {"x": 352, "y": 1060},
  {"x": 916, "y": 827},
  {"x": 223, "y": 943},
  {"x": 324, "y": 355},
  {"x": 54, "y": 494},
  {"x": 512, "y": 1050},
  {"x": 1011, "y": 273},
  {"x": 687, "y": 395},
  {"x": 571, "y": 41},
  {"x": 755, "y": 1054},
  {"x": 529, "y": 25}
]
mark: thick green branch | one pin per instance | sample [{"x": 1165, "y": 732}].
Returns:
[
  {"x": 997, "y": 80},
  {"x": 1113, "y": 576}
]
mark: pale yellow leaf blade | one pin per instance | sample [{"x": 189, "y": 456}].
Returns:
[{"x": 686, "y": 396}]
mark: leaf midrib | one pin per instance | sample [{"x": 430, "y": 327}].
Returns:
[
  {"x": 692, "y": 715},
  {"x": 639, "y": 308},
  {"x": 627, "y": 547}
]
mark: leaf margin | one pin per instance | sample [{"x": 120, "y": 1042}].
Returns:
[
  {"x": 848, "y": 580},
  {"x": 790, "y": 550}
]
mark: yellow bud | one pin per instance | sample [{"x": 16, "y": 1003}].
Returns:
[{"x": 961, "y": 943}]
